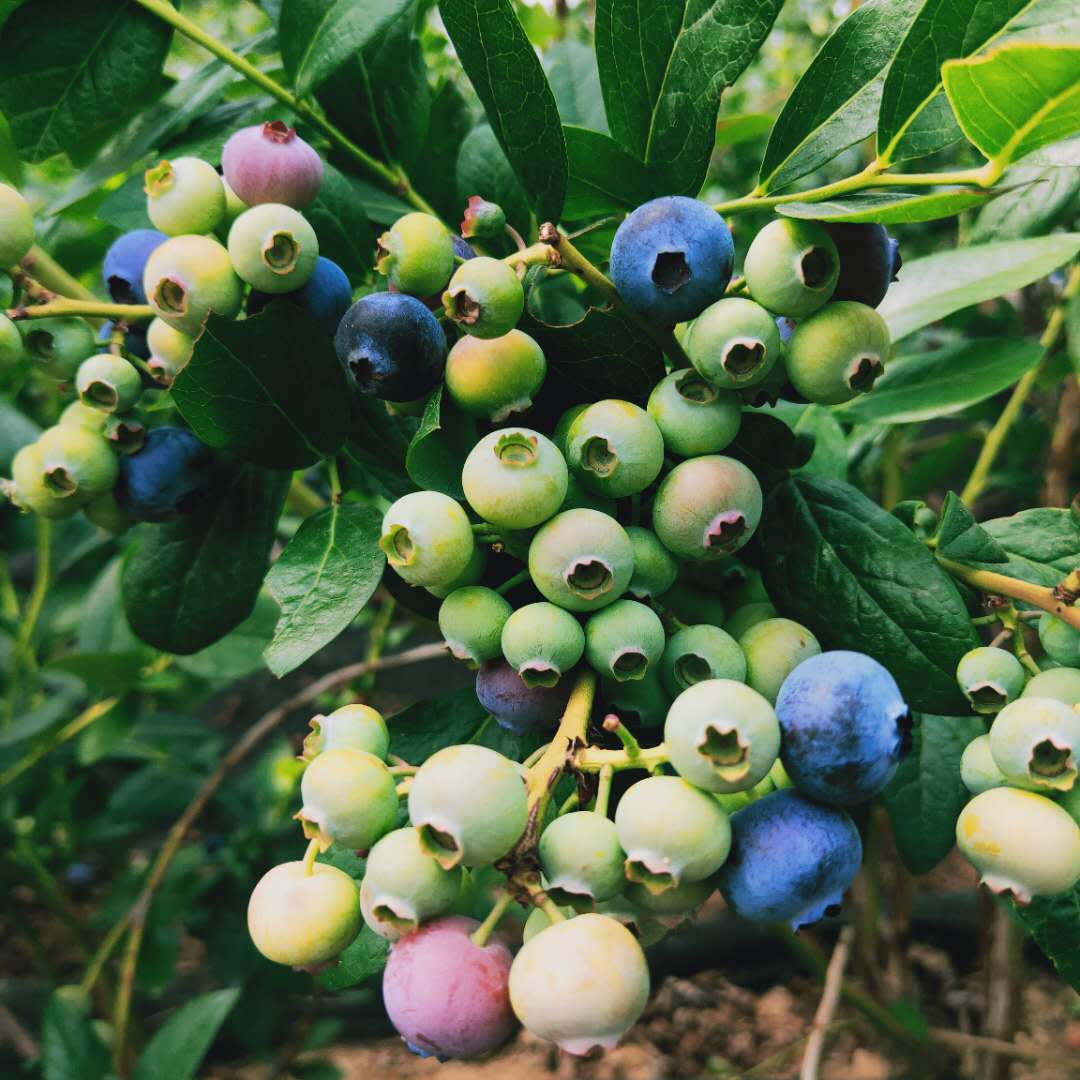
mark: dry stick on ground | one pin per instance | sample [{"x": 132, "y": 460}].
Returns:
[
  {"x": 830, "y": 998},
  {"x": 962, "y": 1041},
  {"x": 1063, "y": 445},
  {"x": 135, "y": 917}
]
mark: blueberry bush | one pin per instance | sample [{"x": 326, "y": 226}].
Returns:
[{"x": 674, "y": 407}]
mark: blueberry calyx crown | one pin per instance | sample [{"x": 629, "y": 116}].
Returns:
[
  {"x": 589, "y": 577},
  {"x": 278, "y": 131},
  {"x": 670, "y": 271}
]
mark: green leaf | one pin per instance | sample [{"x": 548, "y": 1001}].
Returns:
[
  {"x": 70, "y": 1048},
  {"x": 374, "y": 455},
  {"x": 835, "y": 104},
  {"x": 509, "y": 79},
  {"x": 662, "y": 106},
  {"x": 483, "y": 169},
  {"x": 915, "y": 119},
  {"x": 126, "y": 206},
  {"x": 449, "y": 122},
  {"x": 268, "y": 388},
  {"x": 603, "y": 177},
  {"x": 322, "y": 581},
  {"x": 362, "y": 960},
  {"x": 575, "y": 81},
  {"x": 16, "y": 430},
  {"x": 1054, "y": 924},
  {"x": 438, "y": 450},
  {"x": 961, "y": 538},
  {"x": 190, "y": 582},
  {"x": 925, "y": 797},
  {"x": 179, "y": 1045},
  {"x": 72, "y": 70},
  {"x": 1043, "y": 544},
  {"x": 830, "y": 446},
  {"x": 10, "y": 165},
  {"x": 937, "y": 285},
  {"x": 318, "y": 36},
  {"x": 1036, "y": 95},
  {"x": 769, "y": 448},
  {"x": 892, "y": 207},
  {"x": 338, "y": 218},
  {"x": 925, "y": 386},
  {"x": 103, "y": 672},
  {"x": 240, "y": 652},
  {"x": 747, "y": 127},
  {"x": 853, "y": 573}
]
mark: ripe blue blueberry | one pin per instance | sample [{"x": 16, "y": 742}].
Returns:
[
  {"x": 869, "y": 261},
  {"x": 125, "y": 263},
  {"x": 845, "y": 727},
  {"x": 791, "y": 859},
  {"x": 392, "y": 346},
  {"x": 542, "y": 642},
  {"x": 515, "y": 706},
  {"x": 169, "y": 476},
  {"x": 671, "y": 258},
  {"x": 326, "y": 296}
]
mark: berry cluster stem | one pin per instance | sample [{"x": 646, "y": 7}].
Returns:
[
  {"x": 593, "y": 759},
  {"x": 484, "y": 931},
  {"x": 309, "y": 856},
  {"x": 94, "y": 309},
  {"x": 394, "y": 180},
  {"x": 988, "y": 581}
]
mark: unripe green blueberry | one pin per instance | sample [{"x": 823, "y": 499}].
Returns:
[
  {"x": 357, "y": 726},
  {"x": 680, "y": 900},
  {"x": 273, "y": 248},
  {"x": 515, "y": 478},
  {"x": 473, "y": 572},
  {"x": 416, "y": 254},
  {"x": 655, "y": 568},
  {"x": 11, "y": 344},
  {"x": 303, "y": 919},
  {"x": 774, "y": 648},
  {"x": 581, "y": 983},
  {"x": 577, "y": 498},
  {"x": 184, "y": 196},
  {"x": 978, "y": 769},
  {"x": 427, "y": 538},
  {"x": 734, "y": 344},
  {"x": 404, "y": 885},
  {"x": 30, "y": 490},
  {"x": 471, "y": 621},
  {"x": 542, "y": 642},
  {"x": 106, "y": 513},
  {"x": 483, "y": 220},
  {"x": 350, "y": 798},
  {"x": 78, "y": 464},
  {"x": 644, "y": 701},
  {"x": 707, "y": 507},
  {"x": 186, "y": 278},
  {"x": 722, "y": 736},
  {"x": 1020, "y": 842},
  {"x": 624, "y": 640},
  {"x": 693, "y": 416},
  {"x": 108, "y": 383},
  {"x": 581, "y": 560},
  {"x": 16, "y": 226},
  {"x": 581, "y": 858},
  {"x": 741, "y": 619},
  {"x": 494, "y": 377},
  {"x": 563, "y": 424},
  {"x": 58, "y": 345},
  {"x": 484, "y": 297},
  {"x": 990, "y": 678},
  {"x": 469, "y": 805},
  {"x": 691, "y": 604},
  {"x": 1035, "y": 741},
  {"x": 234, "y": 207},
  {"x": 696, "y": 653},
  {"x": 1061, "y": 684},
  {"x": 1060, "y": 641},
  {"x": 7, "y": 290},
  {"x": 791, "y": 267},
  {"x": 170, "y": 350},
  {"x": 84, "y": 416},
  {"x": 125, "y": 434},
  {"x": 671, "y": 832},
  {"x": 1069, "y": 801},
  {"x": 837, "y": 353},
  {"x": 615, "y": 448}
]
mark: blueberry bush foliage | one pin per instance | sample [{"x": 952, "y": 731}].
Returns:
[{"x": 787, "y": 300}]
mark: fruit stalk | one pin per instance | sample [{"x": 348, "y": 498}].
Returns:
[
  {"x": 990, "y": 582},
  {"x": 572, "y": 728},
  {"x": 484, "y": 931},
  {"x": 95, "y": 309}
]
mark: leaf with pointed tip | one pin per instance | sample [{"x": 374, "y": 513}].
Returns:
[
  {"x": 438, "y": 450},
  {"x": 178, "y": 1047},
  {"x": 575, "y": 82},
  {"x": 893, "y": 207},
  {"x": 962, "y": 539},
  {"x": 1043, "y": 544},
  {"x": 603, "y": 177},
  {"x": 1054, "y": 924},
  {"x": 344, "y": 231}
]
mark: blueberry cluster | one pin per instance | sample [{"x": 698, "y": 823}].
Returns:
[{"x": 1021, "y": 830}]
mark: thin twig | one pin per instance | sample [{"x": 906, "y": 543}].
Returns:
[
  {"x": 1038, "y": 595},
  {"x": 963, "y": 1041},
  {"x": 11, "y": 1031},
  {"x": 1063, "y": 444},
  {"x": 88, "y": 716},
  {"x": 830, "y": 998}
]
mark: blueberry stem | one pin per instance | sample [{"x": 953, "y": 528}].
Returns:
[
  {"x": 309, "y": 856},
  {"x": 48, "y": 276},
  {"x": 571, "y": 802},
  {"x": 394, "y": 180},
  {"x": 603, "y": 790},
  {"x": 593, "y": 759},
  {"x": 302, "y": 500},
  {"x": 480, "y": 935},
  {"x": 24, "y": 643},
  {"x": 335, "y": 480},
  {"x": 512, "y": 583},
  {"x": 615, "y": 726},
  {"x": 94, "y": 309},
  {"x": 571, "y": 732}
]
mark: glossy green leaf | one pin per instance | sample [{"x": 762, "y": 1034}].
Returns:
[
  {"x": 937, "y": 285},
  {"x": 362, "y": 960},
  {"x": 509, "y": 79},
  {"x": 10, "y": 165},
  {"x": 891, "y": 208},
  {"x": 374, "y": 454},
  {"x": 268, "y": 388},
  {"x": 855, "y": 575},
  {"x": 915, "y": 119},
  {"x": 1043, "y": 544},
  {"x": 240, "y": 652},
  {"x": 16, "y": 430},
  {"x": 318, "y": 36},
  {"x": 733, "y": 130},
  {"x": 835, "y": 103},
  {"x": 662, "y": 106},
  {"x": 71, "y": 71},
  {"x": 483, "y": 169},
  {"x": 322, "y": 580},
  {"x": 924, "y": 386},
  {"x": 126, "y": 206},
  {"x": 961, "y": 538},
  {"x": 432, "y": 168},
  {"x": 1036, "y": 94},
  {"x": 178, "y": 1047},
  {"x": 438, "y": 449},
  {"x": 575, "y": 82},
  {"x": 338, "y": 218},
  {"x": 603, "y": 177},
  {"x": 70, "y": 1048},
  {"x": 1054, "y": 924},
  {"x": 925, "y": 797},
  {"x": 188, "y": 583},
  {"x": 830, "y": 446}
]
